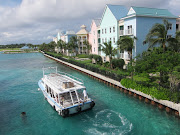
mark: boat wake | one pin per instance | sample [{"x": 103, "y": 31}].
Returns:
[{"x": 109, "y": 122}]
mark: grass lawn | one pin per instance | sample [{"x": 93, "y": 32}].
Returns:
[{"x": 9, "y": 49}]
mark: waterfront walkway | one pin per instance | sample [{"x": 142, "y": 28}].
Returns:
[{"x": 114, "y": 83}]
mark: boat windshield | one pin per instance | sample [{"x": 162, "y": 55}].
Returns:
[{"x": 74, "y": 97}]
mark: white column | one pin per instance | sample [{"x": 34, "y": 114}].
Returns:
[
  {"x": 77, "y": 95},
  {"x": 71, "y": 98}
]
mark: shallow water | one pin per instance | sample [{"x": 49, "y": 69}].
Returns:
[{"x": 114, "y": 112}]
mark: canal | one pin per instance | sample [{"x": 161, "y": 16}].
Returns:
[{"x": 114, "y": 113}]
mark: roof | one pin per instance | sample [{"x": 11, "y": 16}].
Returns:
[
  {"x": 97, "y": 22},
  {"x": 118, "y": 11},
  {"x": 70, "y": 33},
  {"x": 143, "y": 11},
  {"x": 57, "y": 81},
  {"x": 25, "y": 47},
  {"x": 83, "y": 30}
]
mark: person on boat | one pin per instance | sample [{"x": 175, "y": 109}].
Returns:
[
  {"x": 62, "y": 100},
  {"x": 85, "y": 94},
  {"x": 57, "y": 98}
]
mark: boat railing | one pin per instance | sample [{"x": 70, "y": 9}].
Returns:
[{"x": 72, "y": 77}]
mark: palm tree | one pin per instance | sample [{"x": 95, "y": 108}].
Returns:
[
  {"x": 174, "y": 43},
  {"x": 158, "y": 35},
  {"x": 88, "y": 46},
  {"x": 51, "y": 46},
  {"x": 60, "y": 44},
  {"x": 108, "y": 49},
  {"x": 126, "y": 43},
  {"x": 72, "y": 44}
]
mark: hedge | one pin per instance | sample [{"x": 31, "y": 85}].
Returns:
[
  {"x": 155, "y": 92},
  {"x": 92, "y": 67}
]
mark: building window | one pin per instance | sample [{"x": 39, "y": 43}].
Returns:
[
  {"x": 177, "y": 26},
  {"x": 170, "y": 26},
  {"x": 129, "y": 29},
  {"x": 109, "y": 39},
  {"x": 169, "y": 36},
  {"x": 104, "y": 59},
  {"x": 94, "y": 49},
  {"x": 110, "y": 30},
  {"x": 94, "y": 41},
  {"x": 113, "y": 29},
  {"x": 105, "y": 31},
  {"x": 105, "y": 40},
  {"x": 114, "y": 40},
  {"x": 102, "y": 31}
]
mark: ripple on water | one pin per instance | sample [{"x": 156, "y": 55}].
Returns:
[{"x": 109, "y": 122}]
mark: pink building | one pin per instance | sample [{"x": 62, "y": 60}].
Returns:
[{"x": 93, "y": 36}]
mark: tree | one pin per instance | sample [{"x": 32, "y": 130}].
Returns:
[
  {"x": 108, "y": 49},
  {"x": 88, "y": 46},
  {"x": 51, "y": 46},
  {"x": 61, "y": 45},
  {"x": 174, "y": 43},
  {"x": 158, "y": 35},
  {"x": 72, "y": 44},
  {"x": 126, "y": 43},
  {"x": 157, "y": 60}
]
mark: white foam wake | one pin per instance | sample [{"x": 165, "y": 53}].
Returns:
[{"x": 109, "y": 122}]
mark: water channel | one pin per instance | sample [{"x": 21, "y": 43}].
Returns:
[{"x": 115, "y": 112}]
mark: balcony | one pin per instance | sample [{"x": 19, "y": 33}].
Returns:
[
  {"x": 121, "y": 55},
  {"x": 98, "y": 35},
  {"x": 129, "y": 32},
  {"x": 99, "y": 40},
  {"x": 121, "y": 32},
  {"x": 124, "y": 56}
]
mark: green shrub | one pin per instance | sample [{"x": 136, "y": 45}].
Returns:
[
  {"x": 98, "y": 59},
  {"x": 158, "y": 93},
  {"x": 91, "y": 56},
  {"x": 106, "y": 64},
  {"x": 82, "y": 56},
  {"x": 118, "y": 63}
]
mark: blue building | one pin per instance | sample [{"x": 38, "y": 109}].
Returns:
[
  {"x": 117, "y": 21},
  {"x": 139, "y": 21},
  {"x": 109, "y": 27}
]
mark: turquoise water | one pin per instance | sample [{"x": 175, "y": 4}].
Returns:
[{"x": 114, "y": 113}]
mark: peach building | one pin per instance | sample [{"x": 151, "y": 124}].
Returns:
[
  {"x": 93, "y": 35},
  {"x": 82, "y": 35}
]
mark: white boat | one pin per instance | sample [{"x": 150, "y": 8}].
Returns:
[{"x": 65, "y": 93}]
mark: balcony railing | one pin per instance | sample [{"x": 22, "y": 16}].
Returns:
[
  {"x": 129, "y": 32},
  {"x": 121, "y": 32},
  {"x": 124, "y": 56}
]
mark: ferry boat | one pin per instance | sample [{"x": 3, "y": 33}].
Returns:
[{"x": 65, "y": 93}]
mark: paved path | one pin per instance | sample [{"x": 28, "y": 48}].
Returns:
[{"x": 118, "y": 84}]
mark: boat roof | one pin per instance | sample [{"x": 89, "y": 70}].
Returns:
[{"x": 55, "y": 81}]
